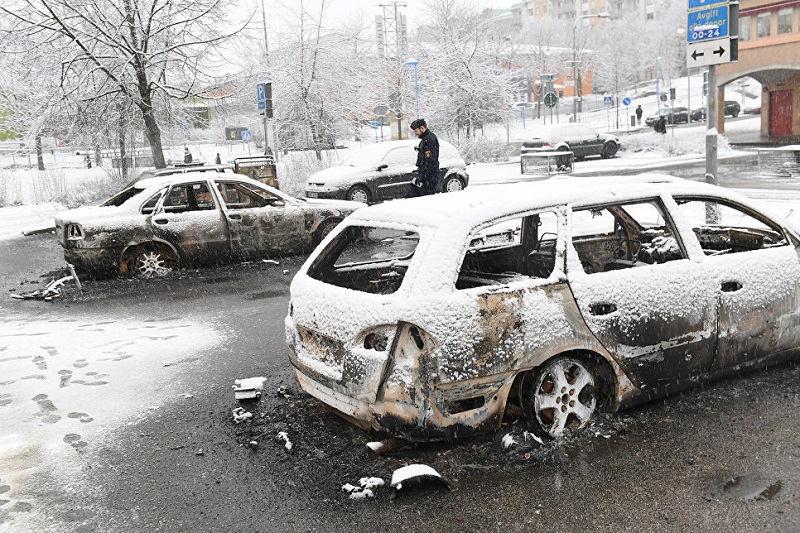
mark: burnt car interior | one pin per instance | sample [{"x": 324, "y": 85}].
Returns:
[
  {"x": 519, "y": 248},
  {"x": 366, "y": 259},
  {"x": 188, "y": 197},
  {"x": 605, "y": 238},
  {"x": 239, "y": 196},
  {"x": 723, "y": 228}
]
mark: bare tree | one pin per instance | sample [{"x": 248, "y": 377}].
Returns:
[
  {"x": 614, "y": 67},
  {"x": 144, "y": 51}
]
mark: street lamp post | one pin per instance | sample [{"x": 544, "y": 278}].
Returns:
[
  {"x": 413, "y": 62},
  {"x": 576, "y": 80},
  {"x": 524, "y": 91}
]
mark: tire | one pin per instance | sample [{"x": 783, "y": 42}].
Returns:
[
  {"x": 609, "y": 150},
  {"x": 735, "y": 114},
  {"x": 324, "y": 228},
  {"x": 452, "y": 184},
  {"x": 358, "y": 193},
  {"x": 152, "y": 261},
  {"x": 558, "y": 397}
]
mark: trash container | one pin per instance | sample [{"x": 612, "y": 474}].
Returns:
[{"x": 633, "y": 120}]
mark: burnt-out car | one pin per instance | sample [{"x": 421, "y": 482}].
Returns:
[
  {"x": 193, "y": 219},
  {"x": 429, "y": 318}
]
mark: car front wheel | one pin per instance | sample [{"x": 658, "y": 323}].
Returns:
[
  {"x": 558, "y": 397},
  {"x": 609, "y": 150},
  {"x": 358, "y": 193},
  {"x": 153, "y": 262},
  {"x": 452, "y": 184}
]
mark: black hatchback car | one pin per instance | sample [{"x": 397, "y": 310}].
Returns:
[{"x": 581, "y": 140}]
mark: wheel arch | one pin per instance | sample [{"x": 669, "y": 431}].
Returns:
[
  {"x": 317, "y": 233},
  {"x": 371, "y": 193}
]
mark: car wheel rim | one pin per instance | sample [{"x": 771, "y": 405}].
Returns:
[
  {"x": 152, "y": 264},
  {"x": 564, "y": 397},
  {"x": 454, "y": 185},
  {"x": 359, "y": 195}
]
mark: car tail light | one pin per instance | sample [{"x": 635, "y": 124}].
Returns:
[{"x": 73, "y": 232}]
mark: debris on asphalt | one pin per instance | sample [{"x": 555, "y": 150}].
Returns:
[
  {"x": 365, "y": 488},
  {"x": 282, "y": 435},
  {"x": 248, "y": 388},
  {"x": 418, "y": 473},
  {"x": 387, "y": 445},
  {"x": 508, "y": 441},
  {"x": 270, "y": 261},
  {"x": 285, "y": 272},
  {"x": 528, "y": 435},
  {"x": 240, "y": 415},
  {"x": 283, "y": 391},
  {"x": 52, "y": 290}
]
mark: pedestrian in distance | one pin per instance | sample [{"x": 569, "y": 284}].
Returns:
[
  {"x": 187, "y": 155},
  {"x": 660, "y": 125},
  {"x": 218, "y": 160},
  {"x": 427, "y": 173},
  {"x": 639, "y": 115}
]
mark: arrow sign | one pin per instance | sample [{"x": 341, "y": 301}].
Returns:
[{"x": 707, "y": 53}]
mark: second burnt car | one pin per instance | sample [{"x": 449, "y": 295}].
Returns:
[
  {"x": 191, "y": 219},
  {"x": 429, "y": 318}
]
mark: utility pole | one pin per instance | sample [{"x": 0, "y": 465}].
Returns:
[{"x": 266, "y": 57}]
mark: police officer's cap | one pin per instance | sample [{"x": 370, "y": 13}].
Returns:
[{"x": 418, "y": 123}]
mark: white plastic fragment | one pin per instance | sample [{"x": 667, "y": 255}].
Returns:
[
  {"x": 375, "y": 446},
  {"x": 270, "y": 261},
  {"x": 364, "y": 489},
  {"x": 421, "y": 472},
  {"x": 528, "y": 435},
  {"x": 248, "y": 388},
  {"x": 362, "y": 495},
  {"x": 282, "y": 435},
  {"x": 240, "y": 415},
  {"x": 508, "y": 441},
  {"x": 285, "y": 272}
]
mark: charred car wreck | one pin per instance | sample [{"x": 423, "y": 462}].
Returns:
[
  {"x": 193, "y": 219},
  {"x": 427, "y": 318}
]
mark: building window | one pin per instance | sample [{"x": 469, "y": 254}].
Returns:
[
  {"x": 762, "y": 24},
  {"x": 785, "y": 20},
  {"x": 744, "y": 29}
]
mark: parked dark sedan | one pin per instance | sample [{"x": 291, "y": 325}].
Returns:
[
  {"x": 673, "y": 115},
  {"x": 193, "y": 219},
  {"x": 581, "y": 140},
  {"x": 732, "y": 109}
]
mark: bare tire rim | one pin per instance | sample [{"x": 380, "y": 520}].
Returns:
[
  {"x": 359, "y": 195},
  {"x": 151, "y": 264},
  {"x": 453, "y": 185},
  {"x": 564, "y": 397}
]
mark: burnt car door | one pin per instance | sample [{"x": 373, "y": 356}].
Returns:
[
  {"x": 640, "y": 295},
  {"x": 395, "y": 172},
  {"x": 755, "y": 265},
  {"x": 190, "y": 219},
  {"x": 261, "y": 222}
]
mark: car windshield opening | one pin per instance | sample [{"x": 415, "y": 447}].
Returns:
[
  {"x": 366, "y": 259},
  {"x": 122, "y": 196}
]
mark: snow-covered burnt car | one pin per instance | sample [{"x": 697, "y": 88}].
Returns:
[
  {"x": 581, "y": 140},
  {"x": 428, "y": 319},
  {"x": 383, "y": 172},
  {"x": 193, "y": 219}
]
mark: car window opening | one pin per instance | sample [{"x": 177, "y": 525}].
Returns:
[
  {"x": 366, "y": 259},
  {"x": 618, "y": 237},
  {"x": 511, "y": 250}
]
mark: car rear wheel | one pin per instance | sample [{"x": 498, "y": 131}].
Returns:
[
  {"x": 452, "y": 184},
  {"x": 558, "y": 397},
  {"x": 153, "y": 262},
  {"x": 735, "y": 114},
  {"x": 609, "y": 150},
  {"x": 324, "y": 228},
  {"x": 358, "y": 193}
]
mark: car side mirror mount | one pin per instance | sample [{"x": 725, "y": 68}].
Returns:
[{"x": 382, "y": 166}]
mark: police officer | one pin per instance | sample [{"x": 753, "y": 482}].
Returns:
[{"x": 427, "y": 177}]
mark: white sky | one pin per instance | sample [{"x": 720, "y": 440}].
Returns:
[{"x": 338, "y": 10}]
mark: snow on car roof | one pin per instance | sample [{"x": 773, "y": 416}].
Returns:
[
  {"x": 185, "y": 177},
  {"x": 475, "y": 205}
]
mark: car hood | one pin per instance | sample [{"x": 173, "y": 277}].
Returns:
[
  {"x": 341, "y": 175},
  {"x": 92, "y": 212}
]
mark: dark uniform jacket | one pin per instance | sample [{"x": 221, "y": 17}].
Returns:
[{"x": 428, "y": 158}]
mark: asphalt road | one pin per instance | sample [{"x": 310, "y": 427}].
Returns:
[{"x": 156, "y": 448}]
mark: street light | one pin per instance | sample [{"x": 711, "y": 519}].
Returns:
[
  {"x": 524, "y": 92},
  {"x": 576, "y": 80},
  {"x": 413, "y": 62}
]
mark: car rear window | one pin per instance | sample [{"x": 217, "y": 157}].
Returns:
[{"x": 366, "y": 259}]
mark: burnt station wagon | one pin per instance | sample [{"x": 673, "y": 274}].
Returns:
[
  {"x": 427, "y": 318},
  {"x": 192, "y": 219}
]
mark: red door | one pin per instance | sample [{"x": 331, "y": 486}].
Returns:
[{"x": 780, "y": 113}]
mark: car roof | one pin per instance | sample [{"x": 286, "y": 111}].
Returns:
[
  {"x": 190, "y": 176},
  {"x": 476, "y": 205}
]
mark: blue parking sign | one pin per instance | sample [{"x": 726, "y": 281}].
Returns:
[{"x": 626, "y": 101}]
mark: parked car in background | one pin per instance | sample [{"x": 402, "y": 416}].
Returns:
[
  {"x": 198, "y": 218},
  {"x": 383, "y": 171},
  {"x": 581, "y": 140},
  {"x": 732, "y": 108},
  {"x": 673, "y": 115},
  {"x": 434, "y": 319}
]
